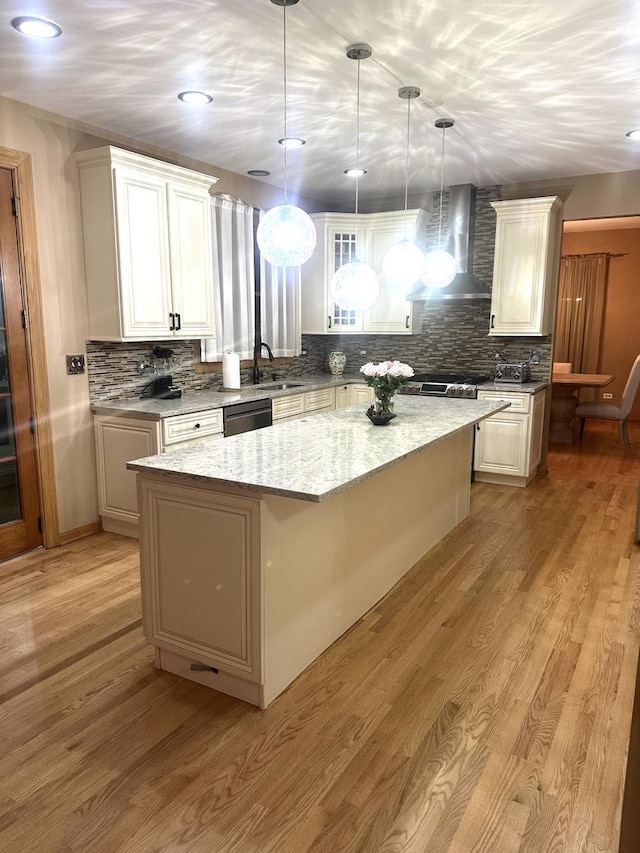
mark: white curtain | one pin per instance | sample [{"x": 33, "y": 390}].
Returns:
[
  {"x": 281, "y": 309},
  {"x": 233, "y": 280}
]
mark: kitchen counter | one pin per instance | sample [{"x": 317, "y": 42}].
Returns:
[
  {"x": 515, "y": 387},
  {"x": 259, "y": 551},
  {"x": 299, "y": 459},
  {"x": 199, "y": 401}
]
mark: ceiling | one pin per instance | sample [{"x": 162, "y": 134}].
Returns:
[{"x": 538, "y": 89}]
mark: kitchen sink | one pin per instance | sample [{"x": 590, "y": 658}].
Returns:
[{"x": 282, "y": 386}]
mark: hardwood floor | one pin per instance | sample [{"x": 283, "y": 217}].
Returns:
[{"x": 483, "y": 705}]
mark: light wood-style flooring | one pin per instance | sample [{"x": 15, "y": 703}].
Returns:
[{"x": 484, "y": 705}]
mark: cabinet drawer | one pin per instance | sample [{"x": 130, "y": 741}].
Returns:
[
  {"x": 195, "y": 425},
  {"x": 325, "y": 398},
  {"x": 520, "y": 402},
  {"x": 287, "y": 407}
]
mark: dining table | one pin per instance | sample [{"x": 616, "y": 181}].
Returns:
[{"x": 565, "y": 388}]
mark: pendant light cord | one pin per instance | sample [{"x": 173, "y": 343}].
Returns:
[
  {"x": 284, "y": 81},
  {"x": 444, "y": 130},
  {"x": 406, "y": 172},
  {"x": 357, "y": 143}
]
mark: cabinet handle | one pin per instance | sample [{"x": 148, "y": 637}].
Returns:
[
  {"x": 493, "y": 317},
  {"x": 406, "y": 322},
  {"x": 179, "y": 326},
  {"x": 196, "y": 426},
  {"x": 329, "y": 319},
  {"x": 172, "y": 327}
]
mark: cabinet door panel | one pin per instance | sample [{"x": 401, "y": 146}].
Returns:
[
  {"x": 391, "y": 313},
  {"x": 501, "y": 444},
  {"x": 344, "y": 244},
  {"x": 118, "y": 441},
  {"x": 191, "y": 261},
  {"x": 143, "y": 255},
  {"x": 360, "y": 394}
]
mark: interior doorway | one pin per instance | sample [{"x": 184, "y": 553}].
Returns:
[{"x": 20, "y": 514}]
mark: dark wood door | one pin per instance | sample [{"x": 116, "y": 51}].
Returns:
[{"x": 19, "y": 498}]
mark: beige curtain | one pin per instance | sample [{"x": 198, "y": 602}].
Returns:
[{"x": 581, "y": 299}]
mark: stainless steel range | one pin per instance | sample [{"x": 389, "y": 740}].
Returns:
[{"x": 444, "y": 385}]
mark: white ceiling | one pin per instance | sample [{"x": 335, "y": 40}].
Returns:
[{"x": 538, "y": 89}]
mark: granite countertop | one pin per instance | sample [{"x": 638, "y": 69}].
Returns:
[
  {"x": 516, "y": 387},
  {"x": 315, "y": 457},
  {"x": 198, "y": 401}
]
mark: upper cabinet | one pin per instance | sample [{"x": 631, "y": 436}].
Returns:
[
  {"x": 338, "y": 242},
  {"x": 525, "y": 272},
  {"x": 147, "y": 243}
]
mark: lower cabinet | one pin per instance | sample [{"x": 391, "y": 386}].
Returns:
[
  {"x": 309, "y": 402},
  {"x": 121, "y": 439},
  {"x": 360, "y": 394},
  {"x": 508, "y": 445}
]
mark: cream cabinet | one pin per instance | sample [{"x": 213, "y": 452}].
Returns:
[
  {"x": 526, "y": 263},
  {"x": 308, "y": 402},
  {"x": 508, "y": 445},
  {"x": 339, "y": 240},
  {"x": 360, "y": 394},
  {"x": 147, "y": 242},
  {"x": 121, "y": 439}
]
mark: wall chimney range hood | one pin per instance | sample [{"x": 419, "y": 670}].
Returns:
[{"x": 462, "y": 214}]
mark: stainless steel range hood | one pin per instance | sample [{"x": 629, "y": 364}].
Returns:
[{"x": 462, "y": 215}]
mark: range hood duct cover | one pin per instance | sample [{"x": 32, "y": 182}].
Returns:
[{"x": 462, "y": 215}]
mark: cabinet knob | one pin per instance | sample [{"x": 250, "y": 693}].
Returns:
[{"x": 196, "y": 426}]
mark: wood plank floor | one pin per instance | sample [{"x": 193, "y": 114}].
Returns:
[{"x": 484, "y": 705}]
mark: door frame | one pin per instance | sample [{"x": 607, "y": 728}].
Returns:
[{"x": 19, "y": 163}]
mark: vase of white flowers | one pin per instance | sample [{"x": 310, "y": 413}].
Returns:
[{"x": 385, "y": 378}]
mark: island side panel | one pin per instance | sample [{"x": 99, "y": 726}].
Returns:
[
  {"x": 202, "y": 583},
  {"x": 326, "y": 564}
]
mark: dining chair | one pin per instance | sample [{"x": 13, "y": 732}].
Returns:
[
  {"x": 562, "y": 367},
  {"x": 609, "y": 411}
]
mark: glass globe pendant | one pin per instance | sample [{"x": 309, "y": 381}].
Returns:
[
  {"x": 355, "y": 285},
  {"x": 404, "y": 262},
  {"x": 441, "y": 267},
  {"x": 286, "y": 234}
]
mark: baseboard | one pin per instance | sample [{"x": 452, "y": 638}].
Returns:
[
  {"x": 80, "y": 532},
  {"x": 124, "y": 528}
]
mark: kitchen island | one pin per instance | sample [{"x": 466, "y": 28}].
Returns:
[{"x": 259, "y": 551}]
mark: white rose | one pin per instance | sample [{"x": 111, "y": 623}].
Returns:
[
  {"x": 406, "y": 370},
  {"x": 383, "y": 368},
  {"x": 396, "y": 369},
  {"x": 369, "y": 369}
]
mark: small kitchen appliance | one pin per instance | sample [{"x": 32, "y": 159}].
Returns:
[
  {"x": 444, "y": 385},
  {"x": 515, "y": 372},
  {"x": 162, "y": 386}
]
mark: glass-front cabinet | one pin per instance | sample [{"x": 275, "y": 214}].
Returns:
[{"x": 340, "y": 241}]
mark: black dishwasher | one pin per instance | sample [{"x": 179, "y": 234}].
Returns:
[{"x": 243, "y": 417}]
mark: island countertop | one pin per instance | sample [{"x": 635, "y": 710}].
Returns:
[{"x": 316, "y": 457}]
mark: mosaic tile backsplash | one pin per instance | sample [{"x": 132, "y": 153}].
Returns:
[{"x": 448, "y": 337}]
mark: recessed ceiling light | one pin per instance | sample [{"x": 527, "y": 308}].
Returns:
[
  {"x": 195, "y": 97},
  {"x": 355, "y": 173},
  {"x": 38, "y": 28},
  {"x": 292, "y": 142},
  {"x": 258, "y": 173},
  {"x": 634, "y": 134}
]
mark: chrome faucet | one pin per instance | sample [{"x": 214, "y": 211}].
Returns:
[{"x": 257, "y": 351}]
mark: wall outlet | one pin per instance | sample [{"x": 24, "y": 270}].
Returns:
[
  {"x": 304, "y": 352},
  {"x": 607, "y": 396},
  {"x": 75, "y": 364},
  {"x": 363, "y": 352}
]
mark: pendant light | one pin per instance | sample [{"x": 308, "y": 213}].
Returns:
[
  {"x": 286, "y": 234},
  {"x": 441, "y": 267},
  {"x": 404, "y": 262},
  {"x": 355, "y": 285}
]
